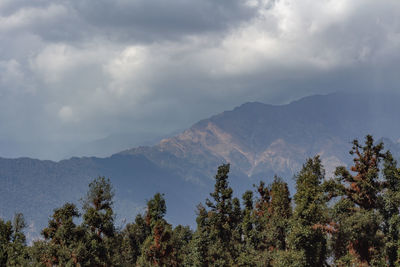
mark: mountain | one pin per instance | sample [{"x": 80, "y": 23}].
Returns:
[
  {"x": 259, "y": 140},
  {"x": 114, "y": 143}
]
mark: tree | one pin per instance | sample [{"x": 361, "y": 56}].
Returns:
[
  {"x": 309, "y": 224},
  {"x": 181, "y": 237},
  {"x": 199, "y": 244},
  {"x": 13, "y": 250},
  {"x": 216, "y": 241},
  {"x": 390, "y": 209},
  {"x": 134, "y": 236},
  {"x": 358, "y": 238},
  {"x": 63, "y": 238},
  {"x": 156, "y": 209},
  {"x": 271, "y": 219},
  {"x": 6, "y": 232},
  {"x": 158, "y": 248},
  {"x": 98, "y": 221}
]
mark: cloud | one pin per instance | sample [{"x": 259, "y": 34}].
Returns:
[{"x": 152, "y": 65}]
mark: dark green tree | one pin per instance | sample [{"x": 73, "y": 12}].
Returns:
[
  {"x": 13, "y": 249},
  {"x": 181, "y": 237},
  {"x": 250, "y": 236},
  {"x": 358, "y": 238},
  {"x": 64, "y": 239},
  {"x": 199, "y": 244},
  {"x": 390, "y": 210},
  {"x": 272, "y": 214},
  {"x": 6, "y": 232},
  {"x": 156, "y": 209},
  {"x": 216, "y": 241},
  {"x": 98, "y": 220},
  {"x": 309, "y": 224},
  {"x": 134, "y": 236},
  {"x": 158, "y": 248}
]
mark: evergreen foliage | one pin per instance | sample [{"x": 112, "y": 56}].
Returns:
[
  {"x": 350, "y": 220},
  {"x": 309, "y": 224}
]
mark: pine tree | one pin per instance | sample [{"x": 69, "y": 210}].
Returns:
[
  {"x": 309, "y": 224},
  {"x": 248, "y": 254},
  {"x": 199, "y": 244},
  {"x": 6, "y": 232},
  {"x": 181, "y": 237},
  {"x": 158, "y": 248},
  {"x": 134, "y": 236},
  {"x": 98, "y": 221},
  {"x": 390, "y": 210},
  {"x": 358, "y": 239},
  {"x": 17, "y": 250},
  {"x": 216, "y": 241},
  {"x": 64, "y": 239},
  {"x": 272, "y": 214},
  {"x": 223, "y": 220},
  {"x": 13, "y": 249}
]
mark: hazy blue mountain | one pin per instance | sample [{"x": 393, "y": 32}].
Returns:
[
  {"x": 259, "y": 140},
  {"x": 114, "y": 143}
]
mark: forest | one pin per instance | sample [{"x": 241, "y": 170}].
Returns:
[{"x": 351, "y": 219}]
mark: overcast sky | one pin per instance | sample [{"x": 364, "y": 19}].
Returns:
[{"x": 73, "y": 71}]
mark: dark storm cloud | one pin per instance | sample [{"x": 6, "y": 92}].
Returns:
[
  {"x": 129, "y": 20},
  {"x": 158, "y": 19},
  {"x": 74, "y": 70}
]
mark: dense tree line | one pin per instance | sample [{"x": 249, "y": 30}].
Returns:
[{"x": 349, "y": 220}]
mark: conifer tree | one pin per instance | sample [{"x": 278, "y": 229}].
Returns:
[
  {"x": 309, "y": 224},
  {"x": 248, "y": 254},
  {"x": 158, "y": 248},
  {"x": 223, "y": 220},
  {"x": 134, "y": 236},
  {"x": 181, "y": 237},
  {"x": 17, "y": 251},
  {"x": 98, "y": 221},
  {"x": 272, "y": 214},
  {"x": 218, "y": 228},
  {"x": 13, "y": 249},
  {"x": 358, "y": 239},
  {"x": 248, "y": 223},
  {"x": 390, "y": 210},
  {"x": 199, "y": 244},
  {"x": 5, "y": 239},
  {"x": 63, "y": 238}
]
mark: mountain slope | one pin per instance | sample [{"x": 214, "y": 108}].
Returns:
[{"x": 259, "y": 141}]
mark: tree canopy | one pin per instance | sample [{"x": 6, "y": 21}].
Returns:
[{"x": 351, "y": 219}]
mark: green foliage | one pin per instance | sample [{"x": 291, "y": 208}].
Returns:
[
  {"x": 350, "y": 220},
  {"x": 390, "y": 210},
  {"x": 134, "y": 236},
  {"x": 357, "y": 215},
  {"x": 98, "y": 220},
  {"x": 62, "y": 238},
  {"x": 216, "y": 241},
  {"x": 13, "y": 250},
  {"x": 156, "y": 209},
  {"x": 162, "y": 246},
  {"x": 309, "y": 223},
  {"x": 5, "y": 239}
]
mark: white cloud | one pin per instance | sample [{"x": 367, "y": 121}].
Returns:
[
  {"x": 66, "y": 113},
  {"x": 30, "y": 16}
]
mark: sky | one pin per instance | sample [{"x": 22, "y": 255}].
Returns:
[{"x": 73, "y": 71}]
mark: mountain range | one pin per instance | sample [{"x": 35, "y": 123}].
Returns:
[{"x": 258, "y": 140}]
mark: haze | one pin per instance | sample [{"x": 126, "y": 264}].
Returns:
[{"x": 76, "y": 71}]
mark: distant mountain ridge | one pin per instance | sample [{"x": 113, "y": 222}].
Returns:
[{"x": 259, "y": 140}]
